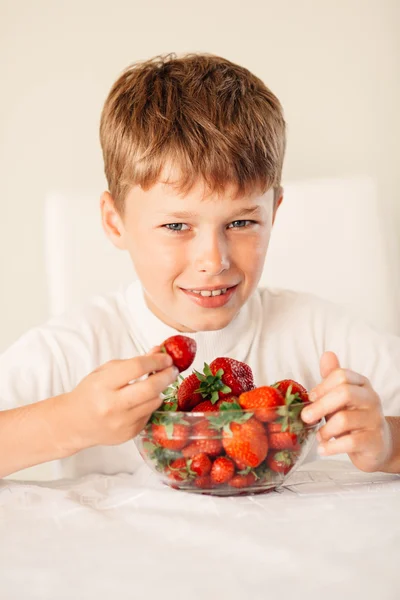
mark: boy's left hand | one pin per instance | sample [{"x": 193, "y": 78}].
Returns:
[{"x": 354, "y": 416}]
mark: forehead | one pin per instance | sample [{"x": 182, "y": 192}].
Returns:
[{"x": 164, "y": 197}]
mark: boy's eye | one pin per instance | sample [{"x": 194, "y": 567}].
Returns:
[
  {"x": 238, "y": 224},
  {"x": 175, "y": 226},
  {"x": 241, "y": 223}
]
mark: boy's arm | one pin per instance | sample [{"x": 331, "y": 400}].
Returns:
[
  {"x": 35, "y": 434},
  {"x": 35, "y": 374}
]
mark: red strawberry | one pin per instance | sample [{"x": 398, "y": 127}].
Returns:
[
  {"x": 209, "y": 446},
  {"x": 222, "y": 470},
  {"x": 295, "y": 396},
  {"x": 284, "y": 440},
  {"x": 182, "y": 349},
  {"x": 177, "y": 470},
  {"x": 190, "y": 450},
  {"x": 240, "y": 465},
  {"x": 280, "y": 461},
  {"x": 241, "y": 481},
  {"x": 206, "y": 406},
  {"x": 246, "y": 442},
  {"x": 207, "y": 439},
  {"x": 278, "y": 427},
  {"x": 186, "y": 395},
  {"x": 235, "y": 374},
  {"x": 296, "y": 388},
  {"x": 203, "y": 482},
  {"x": 200, "y": 464},
  {"x": 231, "y": 399},
  {"x": 263, "y": 401},
  {"x": 170, "y": 435},
  {"x": 273, "y": 427}
]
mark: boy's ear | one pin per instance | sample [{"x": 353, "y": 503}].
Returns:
[
  {"x": 111, "y": 221},
  {"x": 278, "y": 197}
]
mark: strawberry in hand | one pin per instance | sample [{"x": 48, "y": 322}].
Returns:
[{"x": 182, "y": 349}]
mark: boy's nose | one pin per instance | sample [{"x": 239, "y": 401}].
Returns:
[{"x": 212, "y": 257}]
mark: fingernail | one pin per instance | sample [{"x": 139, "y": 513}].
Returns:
[
  {"x": 307, "y": 415},
  {"x": 321, "y": 450},
  {"x": 176, "y": 372},
  {"x": 312, "y": 396}
]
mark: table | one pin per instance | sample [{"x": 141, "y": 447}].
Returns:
[{"x": 334, "y": 532}]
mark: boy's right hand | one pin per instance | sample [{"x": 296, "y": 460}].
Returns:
[{"x": 106, "y": 409}]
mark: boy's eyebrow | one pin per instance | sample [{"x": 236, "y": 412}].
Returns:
[{"x": 245, "y": 212}]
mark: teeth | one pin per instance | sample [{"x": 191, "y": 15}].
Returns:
[{"x": 208, "y": 293}]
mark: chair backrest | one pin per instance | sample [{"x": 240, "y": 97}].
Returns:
[{"x": 329, "y": 238}]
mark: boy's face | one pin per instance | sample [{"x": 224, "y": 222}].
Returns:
[{"x": 179, "y": 244}]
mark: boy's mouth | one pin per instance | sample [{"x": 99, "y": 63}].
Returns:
[{"x": 212, "y": 297}]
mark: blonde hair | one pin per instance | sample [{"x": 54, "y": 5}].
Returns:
[{"x": 210, "y": 118}]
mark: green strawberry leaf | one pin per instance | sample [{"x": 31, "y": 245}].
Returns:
[
  {"x": 226, "y": 389},
  {"x": 214, "y": 397},
  {"x": 284, "y": 457},
  {"x": 169, "y": 429},
  {"x": 211, "y": 385},
  {"x": 226, "y": 416},
  {"x": 227, "y": 429},
  {"x": 230, "y": 406},
  {"x": 161, "y": 456},
  {"x": 169, "y": 406},
  {"x": 245, "y": 471}
]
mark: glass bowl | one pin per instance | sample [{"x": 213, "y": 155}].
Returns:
[{"x": 225, "y": 453}]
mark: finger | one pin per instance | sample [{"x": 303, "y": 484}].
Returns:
[
  {"x": 345, "y": 395},
  {"x": 141, "y": 423},
  {"x": 144, "y": 391},
  {"x": 154, "y": 350},
  {"x": 359, "y": 441},
  {"x": 344, "y": 422},
  {"x": 118, "y": 373},
  {"x": 329, "y": 362},
  {"x": 143, "y": 412},
  {"x": 336, "y": 378}
]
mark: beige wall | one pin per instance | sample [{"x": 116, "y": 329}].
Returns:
[{"x": 335, "y": 65}]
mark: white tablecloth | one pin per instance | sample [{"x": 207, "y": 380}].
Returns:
[{"x": 334, "y": 533}]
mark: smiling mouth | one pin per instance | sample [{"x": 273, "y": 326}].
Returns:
[{"x": 212, "y": 292}]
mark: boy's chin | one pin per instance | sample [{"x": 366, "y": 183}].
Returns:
[{"x": 212, "y": 323}]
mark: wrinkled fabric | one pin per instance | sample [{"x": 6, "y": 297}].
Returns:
[{"x": 333, "y": 532}]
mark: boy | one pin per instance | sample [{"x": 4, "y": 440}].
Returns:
[{"x": 193, "y": 151}]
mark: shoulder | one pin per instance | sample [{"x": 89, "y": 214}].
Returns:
[
  {"x": 92, "y": 331},
  {"x": 291, "y": 306},
  {"x": 53, "y": 357}
]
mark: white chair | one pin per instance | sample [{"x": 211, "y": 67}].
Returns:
[{"x": 329, "y": 238}]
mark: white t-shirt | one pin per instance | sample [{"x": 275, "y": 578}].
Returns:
[{"x": 279, "y": 333}]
